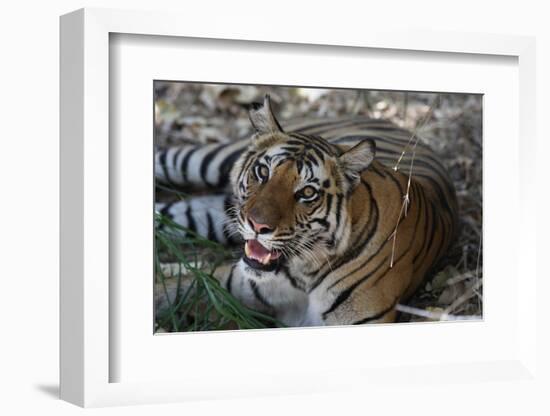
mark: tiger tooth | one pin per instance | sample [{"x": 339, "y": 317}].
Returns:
[
  {"x": 246, "y": 249},
  {"x": 266, "y": 259}
]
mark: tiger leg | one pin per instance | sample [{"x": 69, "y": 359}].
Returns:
[
  {"x": 285, "y": 304},
  {"x": 272, "y": 294},
  {"x": 208, "y": 216},
  {"x": 197, "y": 166},
  {"x": 372, "y": 298}
]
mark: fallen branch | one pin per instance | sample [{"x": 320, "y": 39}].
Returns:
[
  {"x": 460, "y": 277},
  {"x": 435, "y": 316},
  {"x": 471, "y": 292}
]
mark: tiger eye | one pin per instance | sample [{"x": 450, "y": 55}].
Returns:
[
  {"x": 308, "y": 192},
  {"x": 264, "y": 171}
]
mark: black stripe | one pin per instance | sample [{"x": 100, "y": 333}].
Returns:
[
  {"x": 418, "y": 162},
  {"x": 258, "y": 294},
  {"x": 283, "y": 235},
  {"x": 432, "y": 216},
  {"x": 398, "y": 184},
  {"x": 293, "y": 281},
  {"x": 205, "y": 163},
  {"x": 339, "y": 200},
  {"x": 310, "y": 175},
  {"x": 318, "y": 145},
  {"x": 184, "y": 163},
  {"x": 283, "y": 157},
  {"x": 162, "y": 160},
  {"x": 407, "y": 250},
  {"x": 290, "y": 149},
  {"x": 190, "y": 220},
  {"x": 345, "y": 294},
  {"x": 441, "y": 244},
  {"x": 299, "y": 166},
  {"x": 422, "y": 198},
  {"x": 296, "y": 141},
  {"x": 438, "y": 189},
  {"x": 323, "y": 128},
  {"x": 249, "y": 159},
  {"x": 324, "y": 223},
  {"x": 210, "y": 226},
  {"x": 329, "y": 204},
  {"x": 436, "y": 164},
  {"x": 312, "y": 159},
  {"x": 174, "y": 160},
  {"x": 421, "y": 160},
  {"x": 376, "y": 316},
  {"x": 370, "y": 226},
  {"x": 315, "y": 205},
  {"x": 397, "y": 142},
  {"x": 318, "y": 150},
  {"x": 374, "y": 169},
  {"x": 357, "y": 131},
  {"x": 228, "y": 204},
  {"x": 315, "y": 125},
  {"x": 175, "y": 157},
  {"x": 231, "y": 238},
  {"x": 314, "y": 140},
  {"x": 372, "y": 256},
  {"x": 368, "y": 231},
  {"x": 166, "y": 208},
  {"x": 324, "y": 145},
  {"x": 229, "y": 281}
]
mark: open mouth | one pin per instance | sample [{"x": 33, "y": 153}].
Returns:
[{"x": 259, "y": 257}]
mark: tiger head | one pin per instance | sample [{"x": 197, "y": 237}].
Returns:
[{"x": 291, "y": 193}]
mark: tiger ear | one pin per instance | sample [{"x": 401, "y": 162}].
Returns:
[
  {"x": 358, "y": 158},
  {"x": 262, "y": 118}
]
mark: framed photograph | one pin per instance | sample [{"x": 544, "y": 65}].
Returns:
[
  {"x": 286, "y": 213},
  {"x": 394, "y": 237}
]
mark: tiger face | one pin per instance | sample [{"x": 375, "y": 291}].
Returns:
[{"x": 291, "y": 194}]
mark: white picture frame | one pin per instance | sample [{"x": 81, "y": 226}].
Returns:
[{"x": 87, "y": 356}]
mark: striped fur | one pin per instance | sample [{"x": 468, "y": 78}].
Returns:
[
  {"x": 340, "y": 261},
  {"x": 206, "y": 215}
]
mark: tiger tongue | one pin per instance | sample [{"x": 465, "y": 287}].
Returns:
[{"x": 254, "y": 250}]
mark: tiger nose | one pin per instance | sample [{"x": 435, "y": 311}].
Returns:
[{"x": 258, "y": 227}]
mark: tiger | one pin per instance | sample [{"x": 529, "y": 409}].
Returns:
[{"x": 335, "y": 227}]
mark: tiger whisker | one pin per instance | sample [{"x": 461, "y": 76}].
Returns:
[
  {"x": 306, "y": 251},
  {"x": 320, "y": 250},
  {"x": 294, "y": 250}
]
